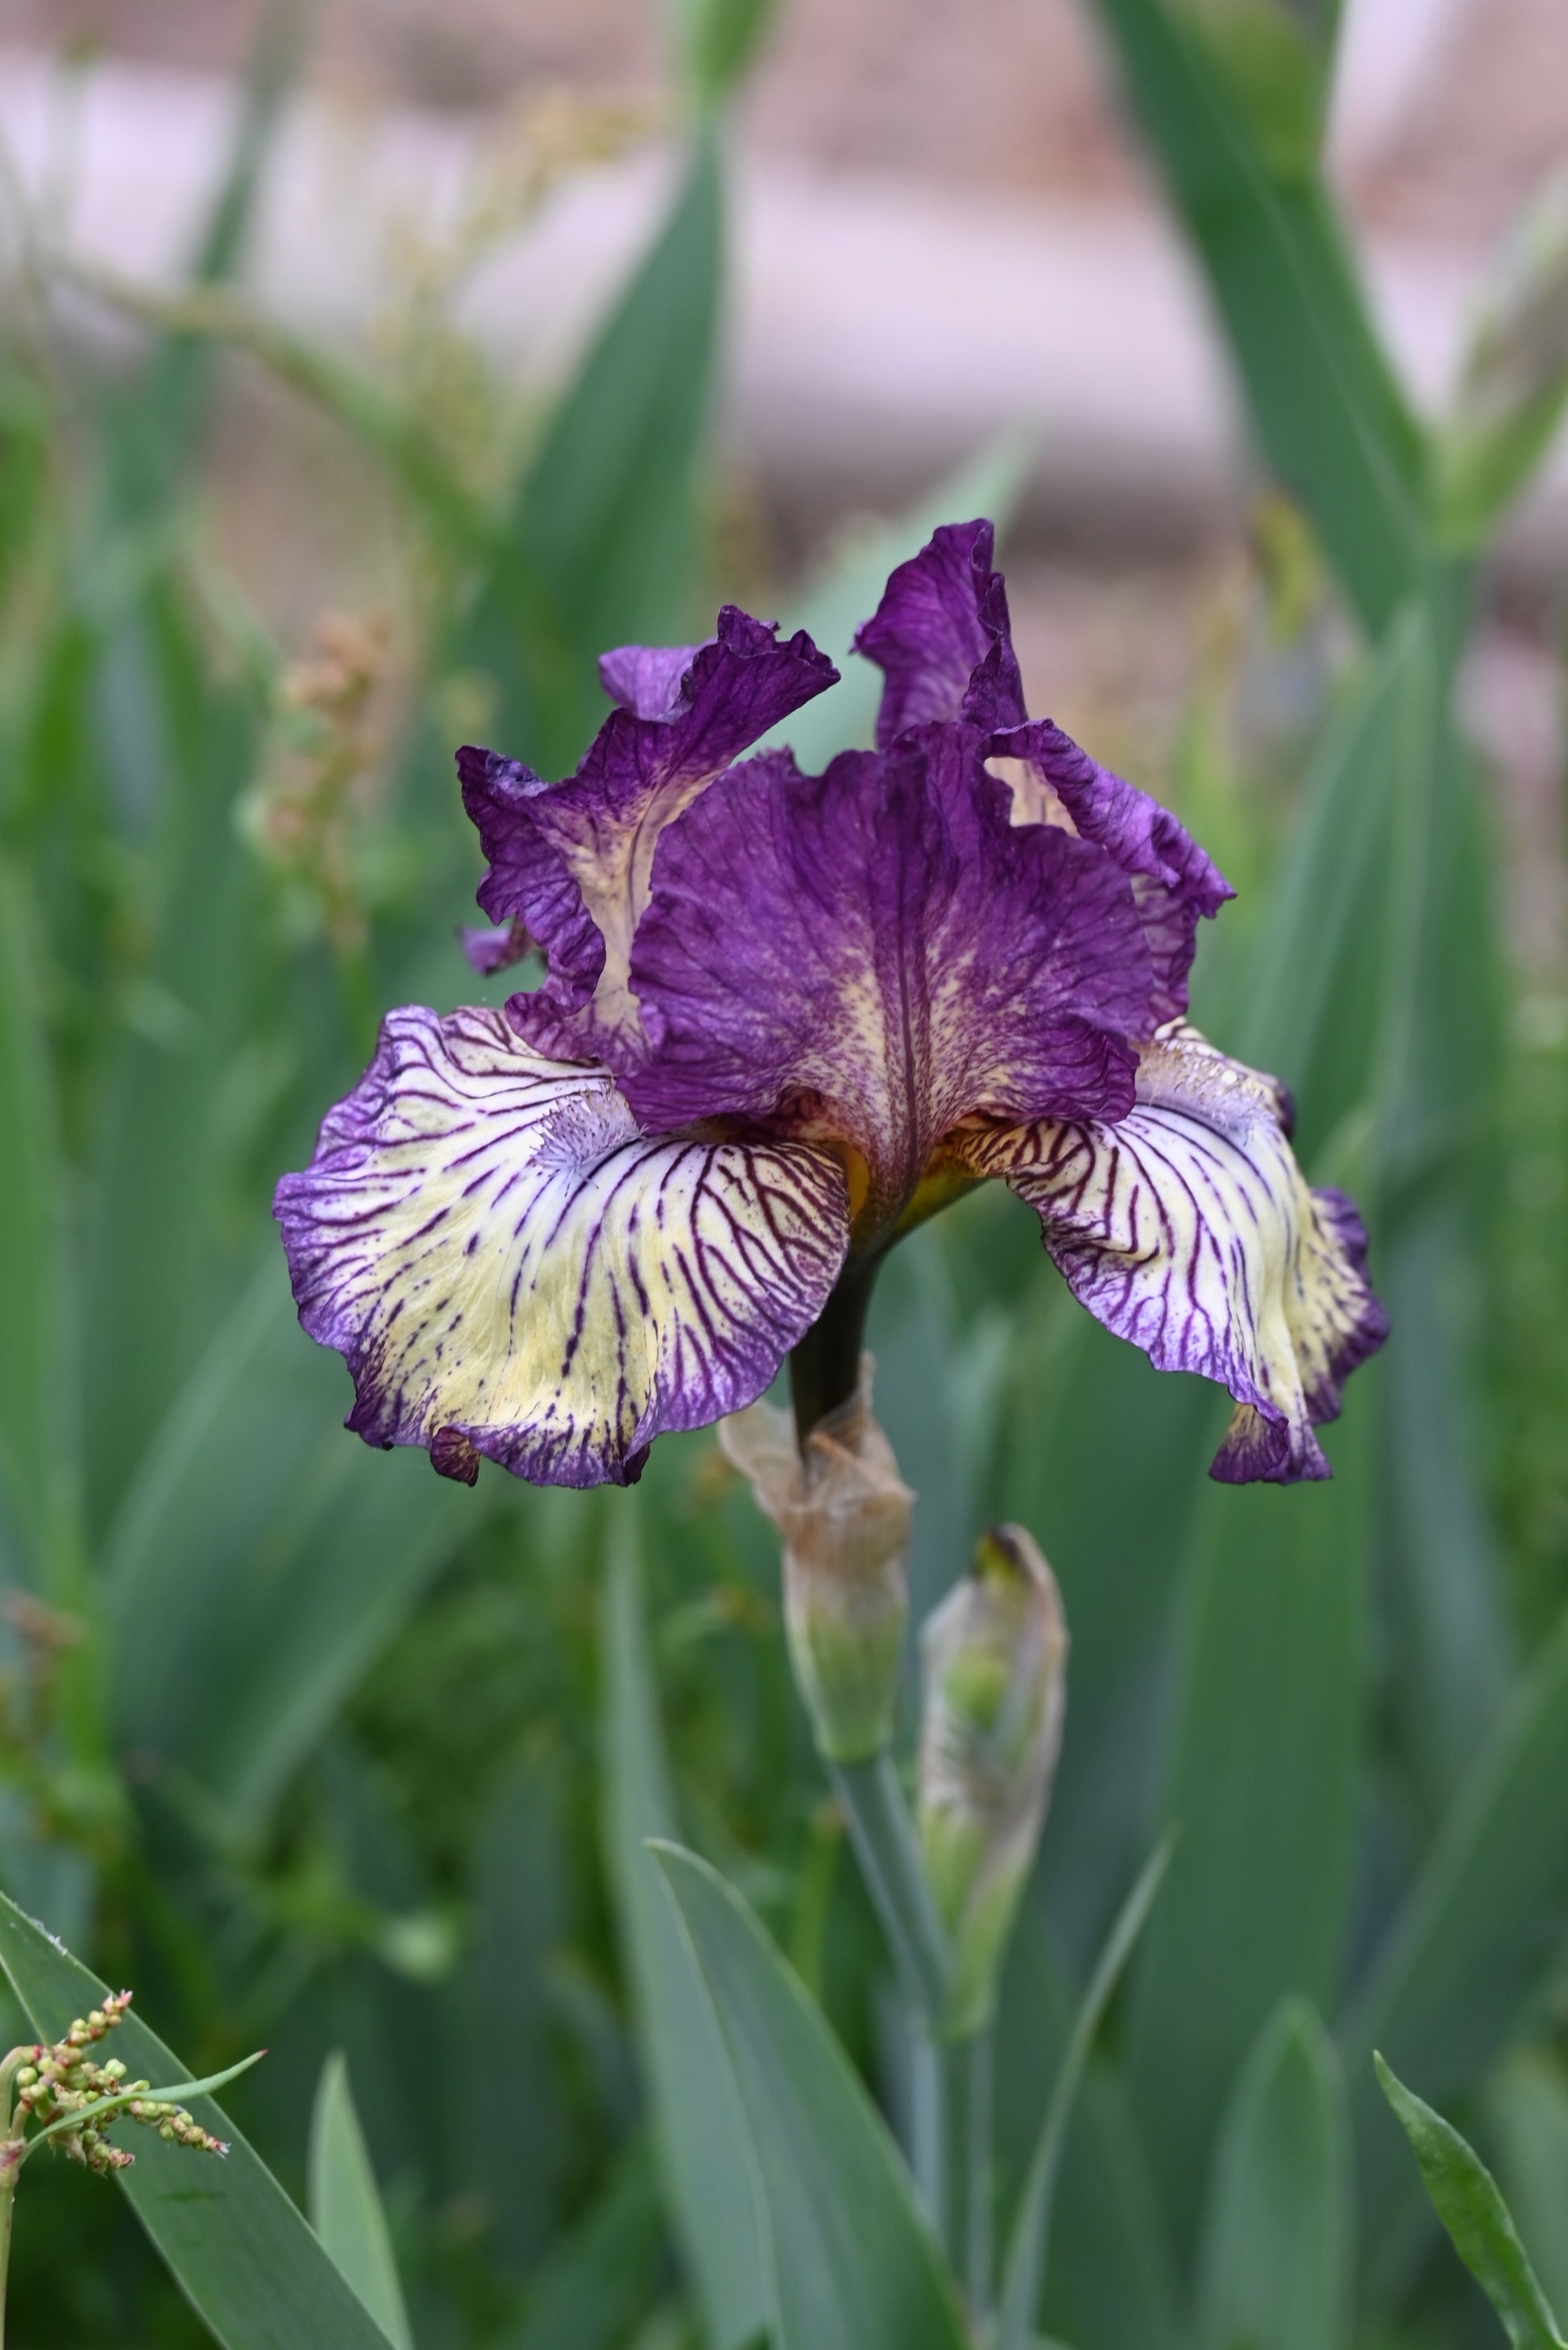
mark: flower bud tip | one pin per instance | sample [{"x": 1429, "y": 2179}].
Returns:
[{"x": 994, "y": 1654}]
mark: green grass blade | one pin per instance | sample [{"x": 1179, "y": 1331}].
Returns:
[
  {"x": 1116, "y": 1544},
  {"x": 1028, "y": 2248},
  {"x": 598, "y": 2282},
  {"x": 163, "y": 417},
  {"x": 36, "y": 1432},
  {"x": 1453, "y": 1660},
  {"x": 346, "y": 2204},
  {"x": 715, "y": 42},
  {"x": 1111, "y": 2279},
  {"x": 853, "y": 2264},
  {"x": 603, "y": 543},
  {"x": 263, "y": 1557},
  {"x": 161, "y": 1199},
  {"x": 832, "y": 606},
  {"x": 1299, "y": 1006},
  {"x": 179, "y": 2093},
  {"x": 700, "y": 2125},
  {"x": 242, "y": 2253},
  {"x": 1466, "y": 2198},
  {"x": 1481, "y": 1927},
  {"x": 1264, "y": 1781},
  {"x": 1326, "y": 409},
  {"x": 384, "y": 427},
  {"x": 1528, "y": 2106},
  {"x": 1371, "y": 992},
  {"x": 1515, "y": 380},
  {"x": 1276, "y": 2258}
]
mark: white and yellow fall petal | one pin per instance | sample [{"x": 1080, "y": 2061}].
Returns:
[
  {"x": 511, "y": 1268},
  {"x": 1189, "y": 1228}
]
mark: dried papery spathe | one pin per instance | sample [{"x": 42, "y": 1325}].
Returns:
[{"x": 843, "y": 1512}]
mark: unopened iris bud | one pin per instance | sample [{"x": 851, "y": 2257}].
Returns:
[
  {"x": 995, "y": 1655},
  {"x": 843, "y": 1512}
]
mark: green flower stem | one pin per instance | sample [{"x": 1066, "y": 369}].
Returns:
[
  {"x": 951, "y": 2158},
  {"x": 9, "y": 2068},
  {"x": 824, "y": 1367},
  {"x": 971, "y": 2060},
  {"x": 9, "y": 2166},
  {"x": 885, "y": 1845}
]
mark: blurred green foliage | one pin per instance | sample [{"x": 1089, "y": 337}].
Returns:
[{"x": 318, "y": 1750}]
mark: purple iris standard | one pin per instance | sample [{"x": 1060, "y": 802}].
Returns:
[{"x": 784, "y": 1017}]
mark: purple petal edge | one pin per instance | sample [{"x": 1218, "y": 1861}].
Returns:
[
  {"x": 496, "y": 946},
  {"x": 651, "y": 680},
  {"x": 549, "y": 844},
  {"x": 941, "y": 638},
  {"x": 1175, "y": 880}
]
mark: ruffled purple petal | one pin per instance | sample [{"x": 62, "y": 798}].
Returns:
[
  {"x": 1174, "y": 881},
  {"x": 651, "y": 680},
  {"x": 941, "y": 637},
  {"x": 572, "y": 860},
  {"x": 528, "y": 883},
  {"x": 877, "y": 952},
  {"x": 511, "y": 1269},
  {"x": 1189, "y": 1228}
]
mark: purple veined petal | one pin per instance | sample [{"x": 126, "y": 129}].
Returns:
[
  {"x": 941, "y": 637},
  {"x": 1189, "y": 1228},
  {"x": 1174, "y": 881},
  {"x": 651, "y": 680},
  {"x": 877, "y": 952},
  {"x": 511, "y": 1269},
  {"x": 573, "y": 860}
]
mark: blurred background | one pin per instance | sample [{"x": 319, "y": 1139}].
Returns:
[{"x": 365, "y": 368}]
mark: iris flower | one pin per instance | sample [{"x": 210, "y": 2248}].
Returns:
[{"x": 783, "y": 1018}]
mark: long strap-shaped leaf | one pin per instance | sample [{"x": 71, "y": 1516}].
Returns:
[
  {"x": 346, "y": 2204},
  {"x": 1276, "y": 2267},
  {"x": 1527, "y": 2105},
  {"x": 232, "y": 1645},
  {"x": 1485, "y": 1919},
  {"x": 602, "y": 543},
  {"x": 169, "y": 403},
  {"x": 1326, "y": 408},
  {"x": 1264, "y": 1777},
  {"x": 251, "y": 2267},
  {"x": 1332, "y": 423},
  {"x": 700, "y": 2129},
  {"x": 1032, "y": 2229},
  {"x": 38, "y": 1448},
  {"x": 853, "y": 2265}
]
